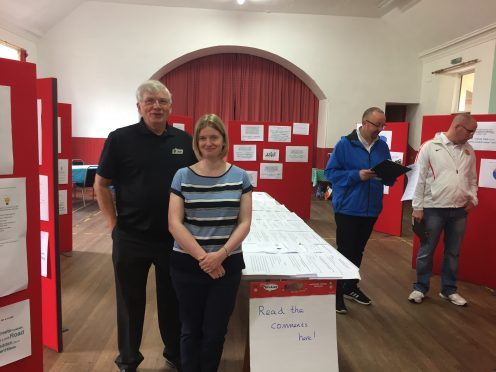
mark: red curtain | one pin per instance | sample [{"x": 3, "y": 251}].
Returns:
[{"x": 241, "y": 87}]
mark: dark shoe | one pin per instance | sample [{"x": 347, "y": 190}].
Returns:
[
  {"x": 340, "y": 306},
  {"x": 357, "y": 295},
  {"x": 173, "y": 363},
  {"x": 128, "y": 370}
]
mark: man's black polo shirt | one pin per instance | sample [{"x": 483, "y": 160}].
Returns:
[{"x": 141, "y": 166}]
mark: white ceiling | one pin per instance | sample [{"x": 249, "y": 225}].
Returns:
[{"x": 36, "y": 17}]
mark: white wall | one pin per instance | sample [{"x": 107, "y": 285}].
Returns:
[
  {"x": 21, "y": 42},
  {"x": 439, "y": 91},
  {"x": 102, "y": 51}
]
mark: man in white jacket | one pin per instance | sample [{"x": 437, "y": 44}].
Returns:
[{"x": 446, "y": 192}]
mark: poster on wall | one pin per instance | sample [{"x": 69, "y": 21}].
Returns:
[
  {"x": 484, "y": 138},
  {"x": 59, "y": 134},
  {"x": 13, "y": 225},
  {"x": 62, "y": 201},
  {"x": 270, "y": 155},
  {"x": 301, "y": 129},
  {"x": 180, "y": 126},
  {"x": 245, "y": 152},
  {"x": 252, "y": 132},
  {"x": 297, "y": 154},
  {"x": 487, "y": 173},
  {"x": 386, "y": 136},
  {"x": 279, "y": 133},
  {"x": 44, "y": 253},
  {"x": 252, "y": 175},
  {"x": 6, "y": 151},
  {"x": 40, "y": 132},
  {"x": 15, "y": 332},
  {"x": 43, "y": 197},
  {"x": 63, "y": 171},
  {"x": 271, "y": 171}
]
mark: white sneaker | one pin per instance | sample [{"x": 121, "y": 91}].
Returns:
[
  {"x": 416, "y": 296},
  {"x": 455, "y": 298}
]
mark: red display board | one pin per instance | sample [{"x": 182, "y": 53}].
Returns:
[
  {"x": 390, "y": 219},
  {"x": 294, "y": 190},
  {"x": 50, "y": 285},
  {"x": 65, "y": 189},
  {"x": 478, "y": 254},
  {"x": 182, "y": 122},
  {"x": 21, "y": 78}
]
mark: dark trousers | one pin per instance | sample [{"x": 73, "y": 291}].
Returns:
[
  {"x": 352, "y": 234},
  {"x": 205, "y": 306},
  {"x": 132, "y": 259}
]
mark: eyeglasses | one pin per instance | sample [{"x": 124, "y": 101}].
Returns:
[
  {"x": 160, "y": 101},
  {"x": 379, "y": 125},
  {"x": 470, "y": 131}
]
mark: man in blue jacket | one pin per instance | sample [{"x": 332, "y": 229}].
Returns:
[{"x": 357, "y": 195}]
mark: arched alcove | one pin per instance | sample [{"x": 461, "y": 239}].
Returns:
[{"x": 241, "y": 83}]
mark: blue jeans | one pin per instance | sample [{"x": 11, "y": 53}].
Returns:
[{"x": 453, "y": 221}]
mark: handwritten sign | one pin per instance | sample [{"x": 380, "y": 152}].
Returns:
[
  {"x": 293, "y": 326},
  {"x": 271, "y": 154}
]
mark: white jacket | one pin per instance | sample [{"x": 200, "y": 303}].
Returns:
[{"x": 447, "y": 177}]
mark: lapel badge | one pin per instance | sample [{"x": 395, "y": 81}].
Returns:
[{"x": 177, "y": 151}]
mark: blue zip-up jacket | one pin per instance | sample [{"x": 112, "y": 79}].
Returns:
[{"x": 350, "y": 195}]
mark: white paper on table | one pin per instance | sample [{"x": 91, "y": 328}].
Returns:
[
  {"x": 245, "y": 152},
  {"x": 180, "y": 126},
  {"x": 13, "y": 220},
  {"x": 484, "y": 137},
  {"x": 297, "y": 154},
  {"x": 44, "y": 253},
  {"x": 271, "y": 171},
  {"x": 487, "y": 173},
  {"x": 413, "y": 176},
  {"x": 252, "y": 132},
  {"x": 59, "y": 134},
  {"x": 62, "y": 202},
  {"x": 43, "y": 197},
  {"x": 386, "y": 190},
  {"x": 301, "y": 128},
  {"x": 15, "y": 332},
  {"x": 63, "y": 171},
  {"x": 253, "y": 176},
  {"x": 289, "y": 265},
  {"x": 39, "y": 105},
  {"x": 6, "y": 149},
  {"x": 279, "y": 133},
  {"x": 270, "y": 154}
]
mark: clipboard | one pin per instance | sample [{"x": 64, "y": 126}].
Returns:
[{"x": 390, "y": 170}]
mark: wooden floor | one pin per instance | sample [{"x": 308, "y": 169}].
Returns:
[{"x": 390, "y": 335}]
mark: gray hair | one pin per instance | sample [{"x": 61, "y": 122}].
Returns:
[
  {"x": 371, "y": 110},
  {"x": 153, "y": 87}
]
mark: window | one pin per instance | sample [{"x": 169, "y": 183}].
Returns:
[
  {"x": 10, "y": 51},
  {"x": 466, "y": 91}
]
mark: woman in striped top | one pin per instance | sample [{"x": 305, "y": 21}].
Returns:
[{"x": 209, "y": 216}]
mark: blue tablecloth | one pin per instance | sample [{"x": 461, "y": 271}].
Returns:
[{"x": 79, "y": 172}]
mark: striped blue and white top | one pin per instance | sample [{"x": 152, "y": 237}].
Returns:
[{"x": 211, "y": 205}]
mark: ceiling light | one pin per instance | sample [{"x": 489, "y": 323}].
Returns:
[{"x": 240, "y": 2}]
